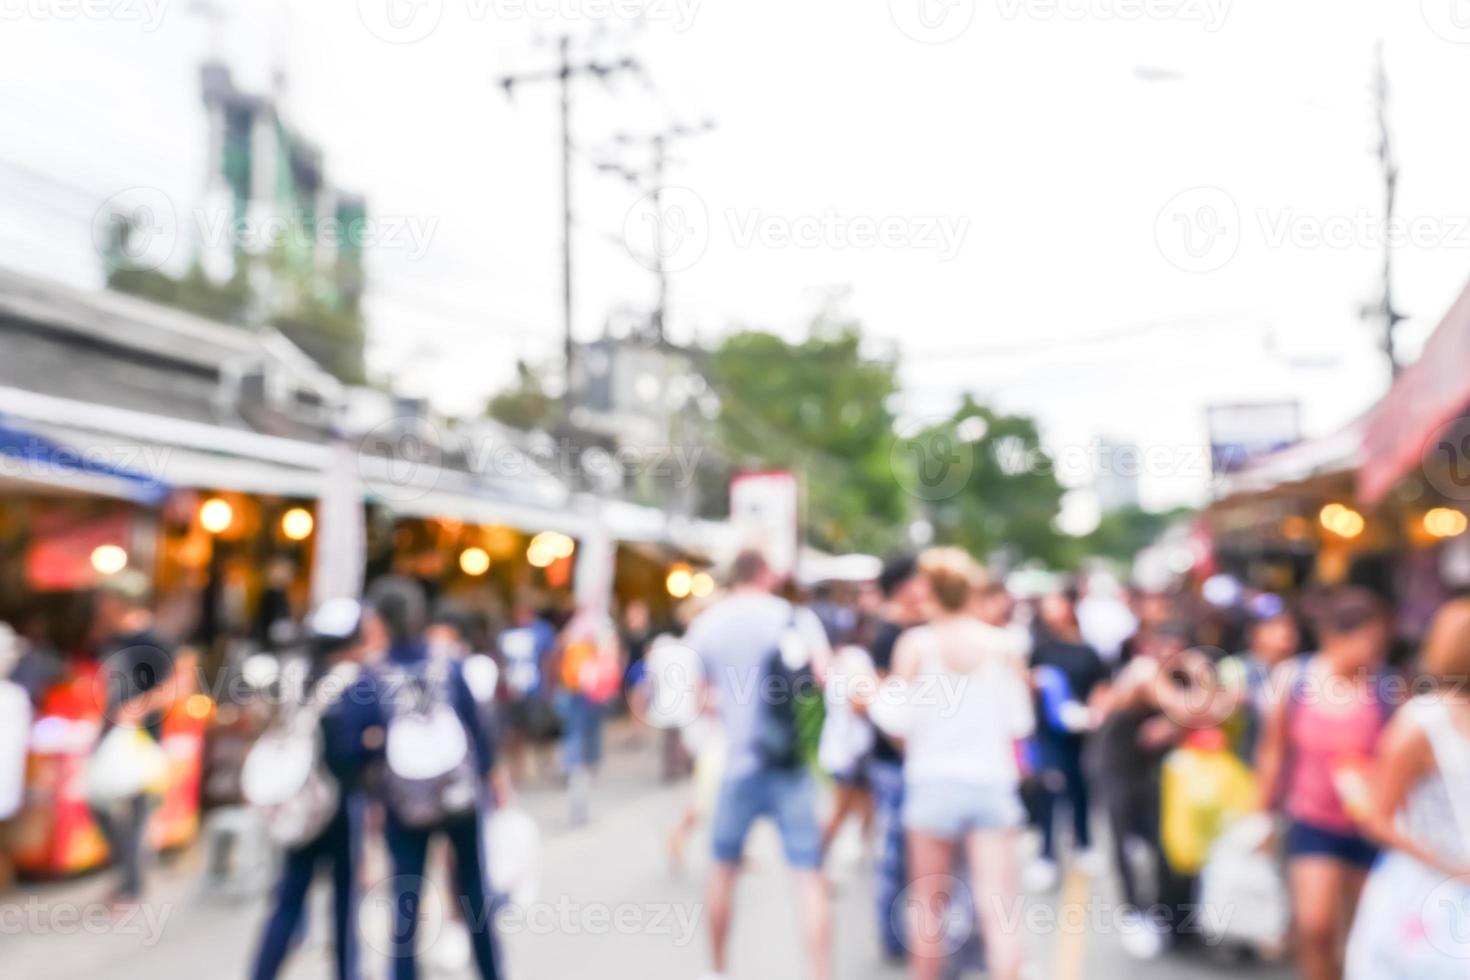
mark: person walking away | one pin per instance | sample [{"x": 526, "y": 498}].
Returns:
[
  {"x": 339, "y": 690},
  {"x": 590, "y": 671},
  {"x": 1062, "y": 733},
  {"x": 961, "y": 778},
  {"x": 137, "y": 671},
  {"x": 751, "y": 642},
  {"x": 1411, "y": 921},
  {"x": 847, "y": 743},
  {"x": 1144, "y": 714},
  {"x": 524, "y": 649},
  {"x": 1314, "y": 754},
  {"x": 1274, "y": 639},
  {"x": 439, "y": 762},
  {"x": 906, "y": 601}
]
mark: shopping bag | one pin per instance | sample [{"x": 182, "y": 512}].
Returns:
[
  {"x": 1205, "y": 789},
  {"x": 126, "y": 763}
]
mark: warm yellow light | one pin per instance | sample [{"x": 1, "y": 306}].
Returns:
[
  {"x": 1445, "y": 522},
  {"x": 547, "y": 547},
  {"x": 1342, "y": 520},
  {"x": 297, "y": 523},
  {"x": 216, "y": 515},
  {"x": 680, "y": 581},
  {"x": 474, "y": 561},
  {"x": 199, "y": 706},
  {"x": 109, "y": 559},
  {"x": 702, "y": 584}
]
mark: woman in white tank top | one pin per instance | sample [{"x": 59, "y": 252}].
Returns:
[
  {"x": 1414, "y": 918},
  {"x": 959, "y": 701}
]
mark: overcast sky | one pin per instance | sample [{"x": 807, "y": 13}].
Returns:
[{"x": 1188, "y": 183}]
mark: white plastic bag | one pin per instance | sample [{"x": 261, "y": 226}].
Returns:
[
  {"x": 1242, "y": 891},
  {"x": 513, "y": 853},
  {"x": 126, "y": 763}
]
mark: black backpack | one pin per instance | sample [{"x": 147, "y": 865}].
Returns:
[{"x": 779, "y": 742}]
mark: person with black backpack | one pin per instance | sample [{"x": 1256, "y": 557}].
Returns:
[
  {"x": 761, "y": 657},
  {"x": 318, "y": 816},
  {"x": 438, "y": 759}
]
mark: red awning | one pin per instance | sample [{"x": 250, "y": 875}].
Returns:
[{"x": 1425, "y": 399}]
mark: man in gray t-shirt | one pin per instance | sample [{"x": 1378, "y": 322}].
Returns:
[{"x": 735, "y": 639}]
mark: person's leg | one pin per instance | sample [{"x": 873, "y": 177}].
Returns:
[
  {"x": 997, "y": 891},
  {"x": 843, "y": 803},
  {"x": 1317, "y": 886},
  {"x": 740, "y": 801},
  {"x": 291, "y": 892},
  {"x": 720, "y": 897},
  {"x": 930, "y": 861},
  {"x": 409, "y": 849},
  {"x": 1052, "y": 788},
  {"x": 342, "y": 843},
  {"x": 596, "y": 715},
  {"x": 1079, "y": 798},
  {"x": 1120, "y": 827},
  {"x": 474, "y": 904},
  {"x": 794, "y": 806},
  {"x": 125, "y": 828},
  {"x": 887, "y": 778}
]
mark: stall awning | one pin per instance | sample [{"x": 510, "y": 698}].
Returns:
[
  {"x": 30, "y": 460},
  {"x": 1429, "y": 395}
]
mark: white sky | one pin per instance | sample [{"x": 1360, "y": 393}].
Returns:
[{"x": 1030, "y": 130}]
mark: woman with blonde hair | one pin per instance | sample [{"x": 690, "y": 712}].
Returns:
[
  {"x": 1411, "y": 921},
  {"x": 959, "y": 702}
]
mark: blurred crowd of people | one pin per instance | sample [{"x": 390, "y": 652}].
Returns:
[{"x": 1273, "y": 777}]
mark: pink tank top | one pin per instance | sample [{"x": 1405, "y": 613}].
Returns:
[{"x": 1321, "y": 741}]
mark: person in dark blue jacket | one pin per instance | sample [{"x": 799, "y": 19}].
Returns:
[
  {"x": 337, "y": 642},
  {"x": 401, "y": 607}
]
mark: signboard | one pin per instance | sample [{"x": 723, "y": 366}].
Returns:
[
  {"x": 1241, "y": 434},
  {"x": 764, "y": 508}
]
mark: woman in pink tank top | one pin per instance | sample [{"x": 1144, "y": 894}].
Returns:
[{"x": 1318, "y": 743}]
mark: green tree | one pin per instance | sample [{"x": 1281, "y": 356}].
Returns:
[
  {"x": 1010, "y": 496},
  {"x": 1122, "y": 534},
  {"x": 526, "y": 405},
  {"x": 820, "y": 408}
]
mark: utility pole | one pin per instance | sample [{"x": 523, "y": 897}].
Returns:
[
  {"x": 654, "y": 179},
  {"x": 1385, "y": 311},
  {"x": 563, "y": 74}
]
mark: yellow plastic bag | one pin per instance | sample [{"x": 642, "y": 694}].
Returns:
[{"x": 1205, "y": 789}]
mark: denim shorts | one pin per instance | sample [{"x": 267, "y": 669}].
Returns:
[
  {"x": 1309, "y": 840},
  {"x": 787, "y": 797},
  {"x": 950, "y": 808}
]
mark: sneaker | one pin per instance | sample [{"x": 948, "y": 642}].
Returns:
[
  {"x": 1040, "y": 876},
  {"x": 1090, "y": 863},
  {"x": 1140, "y": 936}
]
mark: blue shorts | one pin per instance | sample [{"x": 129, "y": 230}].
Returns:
[
  {"x": 787, "y": 797},
  {"x": 950, "y": 809},
  {"x": 1309, "y": 840}
]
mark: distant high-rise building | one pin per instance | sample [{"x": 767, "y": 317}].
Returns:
[
  {"x": 269, "y": 207},
  {"x": 1116, "y": 479}
]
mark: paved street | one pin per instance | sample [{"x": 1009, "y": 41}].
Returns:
[{"x": 608, "y": 902}]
